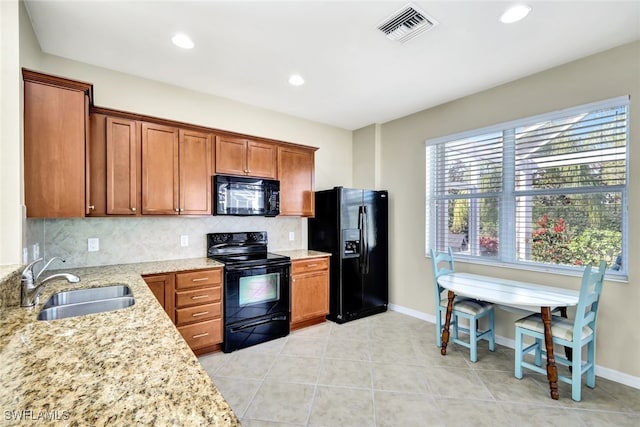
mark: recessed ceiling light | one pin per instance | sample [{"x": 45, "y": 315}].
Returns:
[
  {"x": 515, "y": 14},
  {"x": 296, "y": 80},
  {"x": 183, "y": 41}
]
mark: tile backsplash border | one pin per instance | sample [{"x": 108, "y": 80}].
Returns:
[{"x": 130, "y": 240}]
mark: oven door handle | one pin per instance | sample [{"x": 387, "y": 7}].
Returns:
[
  {"x": 252, "y": 267},
  {"x": 258, "y": 323}
]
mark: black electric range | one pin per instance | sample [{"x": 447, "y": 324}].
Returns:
[{"x": 256, "y": 288}]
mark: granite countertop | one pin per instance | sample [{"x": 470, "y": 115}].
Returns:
[
  {"x": 298, "y": 254},
  {"x": 124, "y": 367}
]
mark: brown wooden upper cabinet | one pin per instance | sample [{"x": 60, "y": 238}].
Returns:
[
  {"x": 238, "y": 156},
  {"x": 296, "y": 175},
  {"x": 176, "y": 171},
  {"x": 55, "y": 141},
  {"x": 115, "y": 166}
]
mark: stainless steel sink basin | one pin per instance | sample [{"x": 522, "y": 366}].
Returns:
[
  {"x": 83, "y": 308},
  {"x": 76, "y": 296},
  {"x": 79, "y": 302}
]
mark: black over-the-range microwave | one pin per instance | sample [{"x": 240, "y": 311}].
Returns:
[{"x": 236, "y": 195}]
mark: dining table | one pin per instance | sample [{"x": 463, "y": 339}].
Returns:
[{"x": 511, "y": 294}]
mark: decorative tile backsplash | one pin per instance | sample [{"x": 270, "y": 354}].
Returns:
[{"x": 128, "y": 240}]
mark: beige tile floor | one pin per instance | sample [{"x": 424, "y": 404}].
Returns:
[{"x": 386, "y": 370}]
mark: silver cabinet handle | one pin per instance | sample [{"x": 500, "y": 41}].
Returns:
[
  {"x": 92, "y": 207},
  {"x": 202, "y": 313},
  {"x": 177, "y": 210},
  {"x": 200, "y": 279},
  {"x": 133, "y": 209},
  {"x": 199, "y": 296},
  {"x": 200, "y": 335}
]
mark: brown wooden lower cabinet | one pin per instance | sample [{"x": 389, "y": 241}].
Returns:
[
  {"x": 162, "y": 287},
  {"x": 193, "y": 300},
  {"x": 309, "y": 291}
]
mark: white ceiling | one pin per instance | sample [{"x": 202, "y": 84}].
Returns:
[{"x": 354, "y": 75}]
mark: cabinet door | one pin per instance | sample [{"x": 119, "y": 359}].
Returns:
[
  {"x": 97, "y": 185},
  {"x": 162, "y": 286},
  {"x": 159, "y": 170},
  {"x": 261, "y": 159},
  {"x": 296, "y": 175},
  {"x": 309, "y": 296},
  {"x": 122, "y": 166},
  {"x": 54, "y": 151},
  {"x": 195, "y": 173},
  {"x": 231, "y": 155}
]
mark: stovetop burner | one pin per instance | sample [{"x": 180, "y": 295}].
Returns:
[{"x": 243, "y": 249}]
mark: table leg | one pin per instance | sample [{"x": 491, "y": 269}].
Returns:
[
  {"x": 447, "y": 322},
  {"x": 552, "y": 369}
]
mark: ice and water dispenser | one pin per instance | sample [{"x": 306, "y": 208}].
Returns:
[{"x": 351, "y": 243}]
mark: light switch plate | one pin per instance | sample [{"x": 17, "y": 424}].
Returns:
[
  {"x": 292, "y": 236},
  {"x": 93, "y": 244},
  {"x": 184, "y": 240}
]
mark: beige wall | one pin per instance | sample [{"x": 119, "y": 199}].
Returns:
[
  {"x": 130, "y": 93},
  {"x": 10, "y": 136},
  {"x": 366, "y": 157},
  {"x": 606, "y": 75}
]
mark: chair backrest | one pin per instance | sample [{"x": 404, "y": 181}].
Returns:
[
  {"x": 439, "y": 269},
  {"x": 590, "y": 290}
]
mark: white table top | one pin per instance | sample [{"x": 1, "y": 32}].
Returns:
[{"x": 508, "y": 292}]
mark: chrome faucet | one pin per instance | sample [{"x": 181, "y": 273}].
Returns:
[{"x": 30, "y": 286}]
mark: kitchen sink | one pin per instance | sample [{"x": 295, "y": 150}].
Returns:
[
  {"x": 81, "y": 302},
  {"x": 83, "y": 308},
  {"x": 76, "y": 296}
]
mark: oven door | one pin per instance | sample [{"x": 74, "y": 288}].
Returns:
[{"x": 256, "y": 291}]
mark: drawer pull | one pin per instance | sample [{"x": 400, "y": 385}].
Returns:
[
  {"x": 312, "y": 265},
  {"x": 199, "y": 296},
  {"x": 202, "y": 313},
  {"x": 201, "y": 279},
  {"x": 200, "y": 335}
]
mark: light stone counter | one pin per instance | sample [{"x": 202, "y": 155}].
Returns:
[
  {"x": 298, "y": 254},
  {"x": 125, "y": 367}
]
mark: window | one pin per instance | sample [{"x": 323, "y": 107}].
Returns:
[{"x": 548, "y": 191}]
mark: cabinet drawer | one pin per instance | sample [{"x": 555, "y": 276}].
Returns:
[
  {"x": 202, "y": 334},
  {"x": 198, "y": 278},
  {"x": 198, "y": 296},
  {"x": 198, "y": 313},
  {"x": 306, "y": 265}
]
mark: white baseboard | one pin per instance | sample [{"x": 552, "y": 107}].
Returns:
[{"x": 601, "y": 371}]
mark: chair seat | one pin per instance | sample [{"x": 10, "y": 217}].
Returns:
[
  {"x": 560, "y": 327},
  {"x": 468, "y": 305}
]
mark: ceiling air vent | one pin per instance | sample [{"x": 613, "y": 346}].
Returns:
[{"x": 407, "y": 23}]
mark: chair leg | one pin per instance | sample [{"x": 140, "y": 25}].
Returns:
[
  {"x": 473, "y": 340},
  {"x": 439, "y": 327},
  {"x": 492, "y": 335},
  {"x": 538, "y": 352},
  {"x": 519, "y": 355},
  {"x": 455, "y": 322},
  {"x": 576, "y": 374},
  {"x": 591, "y": 360}
]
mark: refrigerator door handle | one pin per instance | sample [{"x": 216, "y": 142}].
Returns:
[
  {"x": 366, "y": 240},
  {"x": 361, "y": 249}
]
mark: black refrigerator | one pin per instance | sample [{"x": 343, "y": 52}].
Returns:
[{"x": 352, "y": 225}]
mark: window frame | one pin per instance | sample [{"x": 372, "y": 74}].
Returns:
[{"x": 509, "y": 197}]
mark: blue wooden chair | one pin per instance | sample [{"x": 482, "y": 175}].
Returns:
[
  {"x": 572, "y": 334},
  {"x": 465, "y": 308}
]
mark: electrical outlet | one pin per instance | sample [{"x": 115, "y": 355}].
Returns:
[
  {"x": 292, "y": 236},
  {"x": 25, "y": 256},
  {"x": 35, "y": 250},
  {"x": 184, "y": 240},
  {"x": 93, "y": 244}
]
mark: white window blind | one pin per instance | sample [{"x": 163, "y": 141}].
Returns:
[{"x": 549, "y": 190}]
